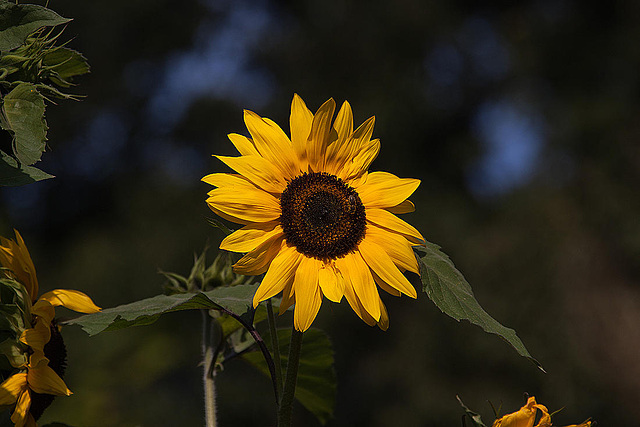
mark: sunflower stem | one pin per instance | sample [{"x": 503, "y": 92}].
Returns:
[
  {"x": 276, "y": 349},
  {"x": 289, "y": 391},
  {"x": 211, "y": 343}
]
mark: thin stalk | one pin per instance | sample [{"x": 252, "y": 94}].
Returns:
[
  {"x": 276, "y": 349},
  {"x": 289, "y": 391},
  {"x": 210, "y": 349},
  {"x": 263, "y": 348}
]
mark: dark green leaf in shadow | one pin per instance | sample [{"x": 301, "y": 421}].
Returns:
[
  {"x": 23, "y": 116},
  {"x": 449, "y": 290},
  {"x": 316, "y": 387},
  {"x": 17, "y": 21},
  {"x": 12, "y": 175},
  {"x": 475, "y": 418}
]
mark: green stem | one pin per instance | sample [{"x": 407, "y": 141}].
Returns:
[
  {"x": 286, "y": 403},
  {"x": 276, "y": 349},
  {"x": 209, "y": 355}
]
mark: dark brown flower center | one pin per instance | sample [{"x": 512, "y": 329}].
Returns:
[{"x": 322, "y": 216}]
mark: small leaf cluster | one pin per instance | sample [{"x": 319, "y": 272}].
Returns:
[
  {"x": 15, "y": 317},
  {"x": 32, "y": 69},
  {"x": 203, "y": 278}
]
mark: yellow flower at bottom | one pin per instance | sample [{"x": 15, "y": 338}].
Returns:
[
  {"x": 315, "y": 220},
  {"x": 40, "y": 378},
  {"x": 525, "y": 417},
  {"x": 36, "y": 375}
]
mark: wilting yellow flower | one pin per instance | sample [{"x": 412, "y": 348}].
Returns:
[
  {"x": 36, "y": 375},
  {"x": 15, "y": 258},
  {"x": 525, "y": 417},
  {"x": 315, "y": 221}
]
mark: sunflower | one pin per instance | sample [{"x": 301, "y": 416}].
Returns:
[
  {"x": 32, "y": 387},
  {"x": 526, "y": 416},
  {"x": 315, "y": 220}
]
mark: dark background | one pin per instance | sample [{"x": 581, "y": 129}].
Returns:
[{"x": 521, "y": 120}]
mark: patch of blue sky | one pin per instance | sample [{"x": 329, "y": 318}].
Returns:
[
  {"x": 219, "y": 65},
  {"x": 512, "y": 137}
]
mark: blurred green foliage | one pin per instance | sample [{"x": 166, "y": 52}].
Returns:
[{"x": 556, "y": 257}]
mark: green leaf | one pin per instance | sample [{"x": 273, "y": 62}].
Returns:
[
  {"x": 23, "y": 116},
  {"x": 476, "y": 419},
  {"x": 12, "y": 175},
  {"x": 236, "y": 299},
  {"x": 12, "y": 354},
  {"x": 64, "y": 64},
  {"x": 316, "y": 386},
  {"x": 17, "y": 21},
  {"x": 448, "y": 289}
]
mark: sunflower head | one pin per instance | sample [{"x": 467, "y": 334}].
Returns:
[
  {"x": 314, "y": 219},
  {"x": 31, "y": 341}
]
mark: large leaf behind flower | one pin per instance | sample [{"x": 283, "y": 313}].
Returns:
[
  {"x": 17, "y": 21},
  {"x": 23, "y": 116},
  {"x": 316, "y": 386},
  {"x": 449, "y": 290},
  {"x": 236, "y": 299}
]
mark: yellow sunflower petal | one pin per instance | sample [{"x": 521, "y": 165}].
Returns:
[
  {"x": 257, "y": 261},
  {"x": 261, "y": 172},
  {"x": 282, "y": 268},
  {"x": 249, "y": 205},
  {"x": 356, "y": 304},
  {"x": 353, "y": 267},
  {"x": 386, "y": 219},
  {"x": 227, "y": 180},
  {"x": 37, "y": 337},
  {"x": 71, "y": 299},
  {"x": 12, "y": 387},
  {"x": 43, "y": 379},
  {"x": 300, "y": 123},
  {"x": 21, "y": 412},
  {"x": 383, "y": 190},
  {"x": 44, "y": 310},
  {"x": 384, "y": 286},
  {"x": 331, "y": 287},
  {"x": 525, "y": 417},
  {"x": 272, "y": 143},
  {"x": 343, "y": 126},
  {"x": 15, "y": 256},
  {"x": 405, "y": 207},
  {"x": 396, "y": 246},
  {"x": 362, "y": 135},
  {"x": 319, "y": 135},
  {"x": 361, "y": 161},
  {"x": 244, "y": 145},
  {"x": 545, "y": 419},
  {"x": 344, "y": 123},
  {"x": 384, "y": 317},
  {"x": 308, "y": 293},
  {"x": 344, "y": 154},
  {"x": 250, "y": 236},
  {"x": 376, "y": 258},
  {"x": 288, "y": 296},
  {"x": 228, "y": 217}
]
